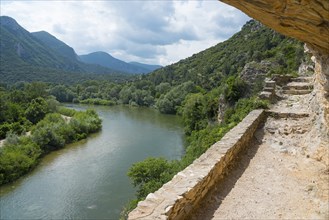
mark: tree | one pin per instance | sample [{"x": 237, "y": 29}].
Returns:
[
  {"x": 162, "y": 88},
  {"x": 192, "y": 112},
  {"x": 35, "y": 90},
  {"x": 62, "y": 94},
  {"x": 36, "y": 110},
  {"x": 235, "y": 88},
  {"x": 150, "y": 175}
]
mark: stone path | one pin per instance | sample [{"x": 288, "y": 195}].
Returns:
[{"x": 275, "y": 178}]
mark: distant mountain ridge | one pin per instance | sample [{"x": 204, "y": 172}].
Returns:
[
  {"x": 106, "y": 60},
  {"x": 25, "y": 54},
  {"x": 147, "y": 66},
  {"x": 22, "y": 50},
  {"x": 18, "y": 46},
  {"x": 56, "y": 44}
]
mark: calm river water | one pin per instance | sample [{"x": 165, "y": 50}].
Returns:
[{"x": 87, "y": 180}]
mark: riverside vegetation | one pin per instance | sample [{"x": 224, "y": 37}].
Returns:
[
  {"x": 29, "y": 108},
  {"x": 191, "y": 88}
]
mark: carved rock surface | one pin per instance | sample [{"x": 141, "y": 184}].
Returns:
[{"x": 305, "y": 20}]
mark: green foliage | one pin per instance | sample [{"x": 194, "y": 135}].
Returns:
[
  {"x": 36, "y": 110},
  {"x": 84, "y": 123},
  {"x": 150, "y": 174},
  {"x": 242, "y": 108},
  {"x": 66, "y": 111},
  {"x": 18, "y": 158},
  {"x": 51, "y": 132},
  {"x": 97, "y": 101},
  {"x": 192, "y": 113},
  {"x": 15, "y": 127},
  {"x": 171, "y": 101},
  {"x": 21, "y": 153},
  {"x": 199, "y": 110},
  {"x": 235, "y": 88},
  {"x": 62, "y": 93}
]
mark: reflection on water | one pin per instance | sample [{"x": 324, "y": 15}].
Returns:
[{"x": 87, "y": 179}]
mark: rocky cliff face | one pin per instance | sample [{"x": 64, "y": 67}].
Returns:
[
  {"x": 302, "y": 19},
  {"x": 307, "y": 21}
]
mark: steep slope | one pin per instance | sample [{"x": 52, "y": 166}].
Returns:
[
  {"x": 57, "y": 45},
  {"x": 41, "y": 56},
  {"x": 254, "y": 44},
  {"x": 106, "y": 60},
  {"x": 18, "y": 46}
]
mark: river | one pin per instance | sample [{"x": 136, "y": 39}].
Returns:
[{"x": 87, "y": 179}]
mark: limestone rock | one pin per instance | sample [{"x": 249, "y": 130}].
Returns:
[
  {"x": 305, "y": 20},
  {"x": 255, "y": 72}
]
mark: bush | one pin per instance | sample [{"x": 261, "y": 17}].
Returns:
[
  {"x": 170, "y": 102},
  {"x": 97, "y": 101},
  {"x": 17, "y": 159},
  {"x": 36, "y": 110},
  {"x": 66, "y": 111},
  {"x": 87, "y": 122},
  {"x": 235, "y": 89},
  {"x": 150, "y": 174},
  {"x": 47, "y": 133}
]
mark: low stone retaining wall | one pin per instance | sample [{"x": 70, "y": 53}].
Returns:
[{"x": 177, "y": 198}]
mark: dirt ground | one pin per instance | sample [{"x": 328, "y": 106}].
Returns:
[{"x": 275, "y": 177}]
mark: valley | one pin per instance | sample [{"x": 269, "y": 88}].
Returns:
[{"x": 149, "y": 122}]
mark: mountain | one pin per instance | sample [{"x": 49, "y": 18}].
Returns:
[
  {"x": 25, "y": 56},
  {"x": 146, "y": 66},
  {"x": 106, "y": 60},
  {"x": 57, "y": 45},
  {"x": 18, "y": 46}
]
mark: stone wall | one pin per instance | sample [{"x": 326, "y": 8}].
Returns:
[{"x": 178, "y": 197}]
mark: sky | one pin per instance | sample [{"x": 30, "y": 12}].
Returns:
[{"x": 149, "y": 31}]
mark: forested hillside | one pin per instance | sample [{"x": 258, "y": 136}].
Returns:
[{"x": 57, "y": 45}]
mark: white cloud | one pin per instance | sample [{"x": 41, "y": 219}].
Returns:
[{"x": 157, "y": 32}]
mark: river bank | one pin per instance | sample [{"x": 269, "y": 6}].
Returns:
[{"x": 88, "y": 179}]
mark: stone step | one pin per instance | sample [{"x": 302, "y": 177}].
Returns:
[
  {"x": 302, "y": 79},
  {"x": 266, "y": 95},
  {"x": 287, "y": 113},
  {"x": 269, "y": 89},
  {"x": 297, "y": 92},
  {"x": 298, "y": 86},
  {"x": 270, "y": 84}
]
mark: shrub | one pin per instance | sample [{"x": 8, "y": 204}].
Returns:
[
  {"x": 17, "y": 159},
  {"x": 36, "y": 110},
  {"x": 235, "y": 89}
]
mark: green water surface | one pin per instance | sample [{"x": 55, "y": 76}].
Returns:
[{"x": 87, "y": 180}]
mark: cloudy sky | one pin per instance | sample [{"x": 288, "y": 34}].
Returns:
[{"x": 154, "y": 32}]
